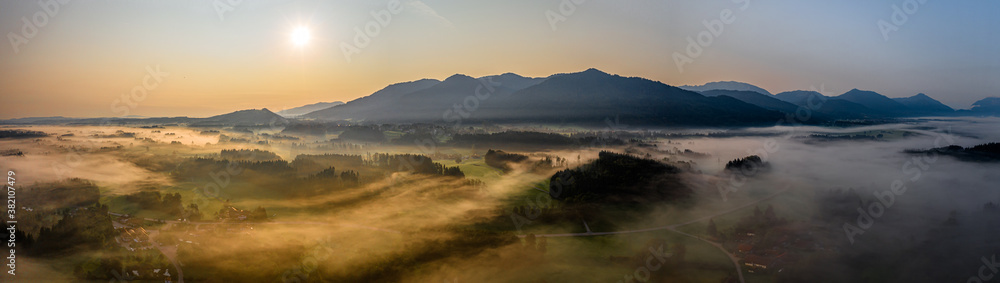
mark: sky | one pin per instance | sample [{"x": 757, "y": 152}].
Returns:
[{"x": 112, "y": 58}]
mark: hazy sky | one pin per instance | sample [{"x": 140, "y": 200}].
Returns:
[{"x": 87, "y": 54}]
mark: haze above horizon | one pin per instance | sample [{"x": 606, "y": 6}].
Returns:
[{"x": 199, "y": 58}]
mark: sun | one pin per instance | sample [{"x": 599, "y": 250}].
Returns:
[{"x": 300, "y": 36}]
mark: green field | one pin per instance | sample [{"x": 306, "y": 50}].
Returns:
[{"x": 475, "y": 169}]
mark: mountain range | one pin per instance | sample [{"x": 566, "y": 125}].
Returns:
[
  {"x": 853, "y": 104},
  {"x": 728, "y": 85},
  {"x": 293, "y": 112},
  {"x": 241, "y": 118},
  {"x": 590, "y": 97},
  {"x": 987, "y": 105}
]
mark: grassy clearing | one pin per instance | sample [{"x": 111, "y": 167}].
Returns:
[{"x": 475, "y": 169}]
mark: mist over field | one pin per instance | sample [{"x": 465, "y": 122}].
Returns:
[
  {"x": 350, "y": 215},
  {"x": 727, "y": 141}
]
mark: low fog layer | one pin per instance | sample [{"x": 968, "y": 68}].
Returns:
[{"x": 420, "y": 228}]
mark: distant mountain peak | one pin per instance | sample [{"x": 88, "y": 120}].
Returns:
[
  {"x": 594, "y": 72},
  {"x": 989, "y": 105},
  {"x": 246, "y": 117},
  {"x": 855, "y": 91},
  {"x": 512, "y": 81},
  {"x": 508, "y": 74},
  {"x": 262, "y": 110},
  {"x": 458, "y": 77},
  {"x": 726, "y": 85},
  {"x": 859, "y": 93},
  {"x": 301, "y": 110},
  {"x": 924, "y": 105},
  {"x": 589, "y": 74},
  {"x": 424, "y": 80},
  {"x": 988, "y": 102},
  {"x": 877, "y": 102}
]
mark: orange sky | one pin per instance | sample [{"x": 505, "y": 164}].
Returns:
[{"x": 88, "y": 54}]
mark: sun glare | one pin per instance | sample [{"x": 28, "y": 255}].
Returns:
[{"x": 300, "y": 36}]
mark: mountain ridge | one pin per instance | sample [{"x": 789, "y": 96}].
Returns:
[
  {"x": 726, "y": 85},
  {"x": 589, "y": 96},
  {"x": 305, "y": 109}
]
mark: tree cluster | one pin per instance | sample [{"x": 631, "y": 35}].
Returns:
[
  {"x": 615, "y": 177},
  {"x": 412, "y": 163},
  {"x": 18, "y": 133},
  {"x": 87, "y": 227},
  {"x": 170, "y": 204},
  {"x": 992, "y": 147},
  {"x": 501, "y": 160},
  {"x": 749, "y": 163},
  {"x": 248, "y": 154}
]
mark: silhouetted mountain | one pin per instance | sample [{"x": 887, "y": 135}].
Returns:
[
  {"x": 880, "y": 104},
  {"x": 373, "y": 102},
  {"x": 843, "y": 109},
  {"x": 37, "y": 120},
  {"x": 431, "y": 104},
  {"x": 588, "y": 97},
  {"x": 827, "y": 107},
  {"x": 729, "y": 85},
  {"x": 989, "y": 105},
  {"x": 922, "y": 104},
  {"x": 307, "y": 108},
  {"x": 801, "y": 97},
  {"x": 760, "y": 100},
  {"x": 592, "y": 97},
  {"x": 513, "y": 81},
  {"x": 247, "y": 117},
  {"x": 858, "y": 104}
]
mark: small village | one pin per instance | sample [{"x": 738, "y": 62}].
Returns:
[
  {"x": 766, "y": 243},
  {"x": 145, "y": 236}
]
